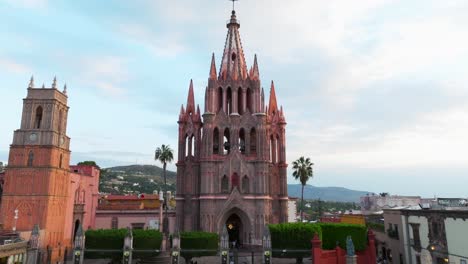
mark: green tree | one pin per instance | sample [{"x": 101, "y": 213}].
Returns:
[
  {"x": 302, "y": 172},
  {"x": 88, "y": 163},
  {"x": 164, "y": 154}
]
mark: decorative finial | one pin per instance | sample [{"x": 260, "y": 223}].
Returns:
[
  {"x": 31, "y": 82},
  {"x": 43, "y": 86},
  {"x": 54, "y": 83},
  {"x": 65, "y": 89}
]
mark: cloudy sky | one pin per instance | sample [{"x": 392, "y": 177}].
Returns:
[{"x": 374, "y": 92}]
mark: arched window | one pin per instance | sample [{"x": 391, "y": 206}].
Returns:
[
  {"x": 249, "y": 100},
  {"x": 220, "y": 98},
  {"x": 192, "y": 146},
  {"x": 30, "y": 158},
  {"x": 60, "y": 161},
  {"x": 216, "y": 141},
  {"x": 229, "y": 101},
  {"x": 235, "y": 180},
  {"x": 186, "y": 145},
  {"x": 242, "y": 141},
  {"x": 227, "y": 141},
  {"x": 38, "y": 120},
  {"x": 278, "y": 148},
  {"x": 240, "y": 110},
  {"x": 224, "y": 184},
  {"x": 245, "y": 184},
  {"x": 253, "y": 141}
]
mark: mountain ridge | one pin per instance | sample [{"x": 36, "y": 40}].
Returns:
[{"x": 331, "y": 193}]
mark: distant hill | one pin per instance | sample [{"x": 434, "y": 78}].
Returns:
[
  {"x": 146, "y": 178},
  {"x": 149, "y": 171},
  {"x": 338, "y": 194},
  {"x": 135, "y": 179}
]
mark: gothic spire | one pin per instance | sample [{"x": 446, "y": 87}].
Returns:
[
  {"x": 213, "y": 68},
  {"x": 233, "y": 63},
  {"x": 272, "y": 106},
  {"x": 190, "y": 100},
  {"x": 65, "y": 89},
  {"x": 254, "y": 73},
  {"x": 31, "y": 82}
]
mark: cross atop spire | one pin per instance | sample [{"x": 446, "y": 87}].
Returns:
[{"x": 233, "y": 1}]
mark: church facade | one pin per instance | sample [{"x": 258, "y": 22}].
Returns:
[
  {"x": 40, "y": 185},
  {"x": 231, "y": 168}
]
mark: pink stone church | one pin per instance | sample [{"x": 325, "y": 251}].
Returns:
[{"x": 231, "y": 168}]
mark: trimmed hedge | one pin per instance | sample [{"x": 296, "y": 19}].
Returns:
[
  {"x": 107, "y": 239},
  {"x": 298, "y": 236},
  {"x": 113, "y": 239},
  {"x": 333, "y": 232},
  {"x": 198, "y": 241},
  {"x": 146, "y": 239}
]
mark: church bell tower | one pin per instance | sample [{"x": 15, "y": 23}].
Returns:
[
  {"x": 37, "y": 177},
  {"x": 231, "y": 168}
]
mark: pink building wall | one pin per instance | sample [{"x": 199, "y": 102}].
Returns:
[
  {"x": 83, "y": 198},
  {"x": 125, "y": 218}
]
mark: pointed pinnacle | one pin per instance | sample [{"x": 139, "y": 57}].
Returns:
[
  {"x": 54, "y": 83},
  {"x": 31, "y": 82},
  {"x": 65, "y": 89},
  {"x": 182, "y": 111},
  {"x": 190, "y": 99},
  {"x": 255, "y": 72},
  {"x": 272, "y": 104},
  {"x": 213, "y": 68},
  {"x": 43, "y": 86}
]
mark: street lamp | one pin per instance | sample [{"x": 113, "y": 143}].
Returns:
[{"x": 16, "y": 219}]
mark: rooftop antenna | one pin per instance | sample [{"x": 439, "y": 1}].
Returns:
[{"x": 233, "y": 1}]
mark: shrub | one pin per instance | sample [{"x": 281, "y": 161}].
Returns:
[
  {"x": 337, "y": 232},
  {"x": 104, "y": 239},
  {"x": 113, "y": 239},
  {"x": 293, "y": 236},
  {"x": 146, "y": 240},
  {"x": 298, "y": 236},
  {"x": 197, "y": 244}
]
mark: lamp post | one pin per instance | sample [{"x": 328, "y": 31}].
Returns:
[
  {"x": 224, "y": 246},
  {"x": 16, "y": 219},
  {"x": 79, "y": 246},
  {"x": 128, "y": 247},
  {"x": 175, "y": 248},
  {"x": 266, "y": 245}
]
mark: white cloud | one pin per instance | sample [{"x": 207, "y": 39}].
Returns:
[
  {"x": 436, "y": 139},
  {"x": 108, "y": 73},
  {"x": 160, "y": 44}
]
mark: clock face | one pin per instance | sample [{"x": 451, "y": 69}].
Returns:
[
  {"x": 62, "y": 140},
  {"x": 33, "y": 137}
]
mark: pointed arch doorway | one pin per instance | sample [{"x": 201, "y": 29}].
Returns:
[{"x": 235, "y": 229}]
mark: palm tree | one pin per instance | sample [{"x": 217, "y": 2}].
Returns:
[
  {"x": 302, "y": 172},
  {"x": 164, "y": 154}
]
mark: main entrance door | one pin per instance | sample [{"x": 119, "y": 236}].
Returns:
[{"x": 234, "y": 227}]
